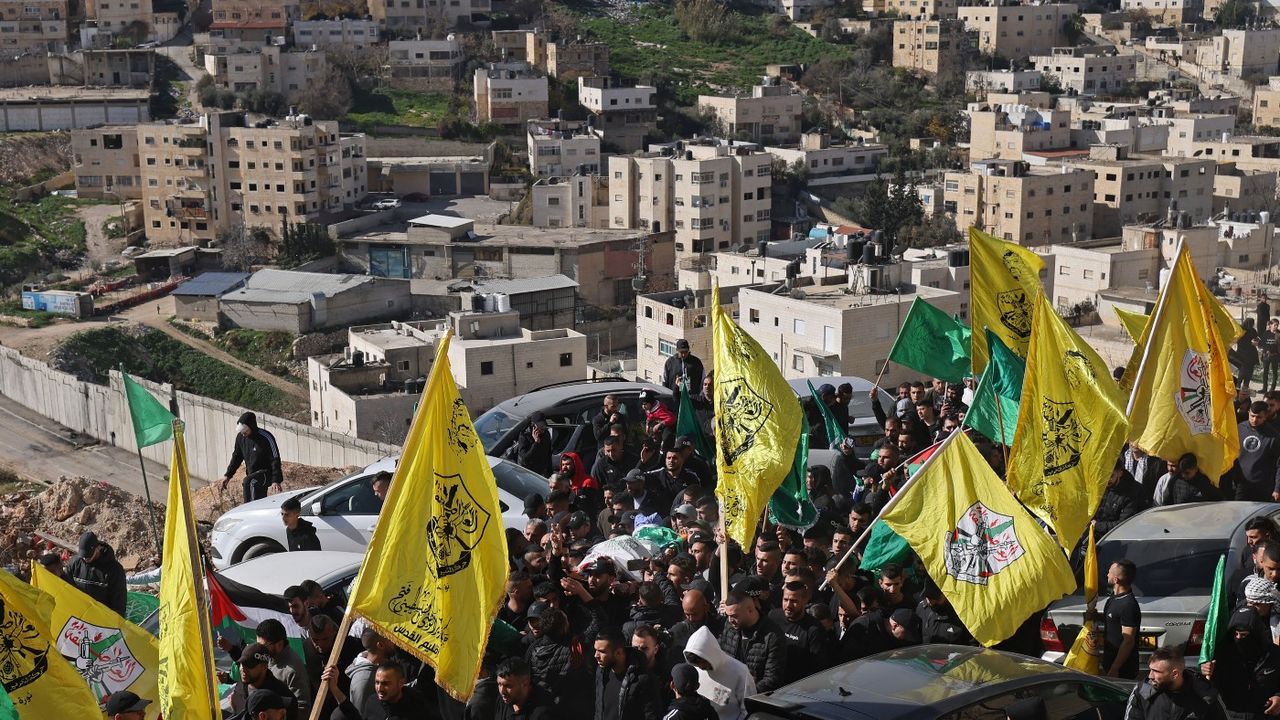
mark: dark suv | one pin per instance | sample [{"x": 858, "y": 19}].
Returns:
[{"x": 568, "y": 409}]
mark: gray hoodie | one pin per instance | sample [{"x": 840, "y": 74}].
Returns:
[
  {"x": 361, "y": 672},
  {"x": 728, "y": 683}
]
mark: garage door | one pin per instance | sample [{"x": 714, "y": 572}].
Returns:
[
  {"x": 473, "y": 183},
  {"x": 444, "y": 184}
]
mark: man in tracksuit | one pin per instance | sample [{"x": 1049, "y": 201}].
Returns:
[{"x": 256, "y": 448}]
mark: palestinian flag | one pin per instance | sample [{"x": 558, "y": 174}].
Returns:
[
  {"x": 919, "y": 459},
  {"x": 237, "y": 609}
]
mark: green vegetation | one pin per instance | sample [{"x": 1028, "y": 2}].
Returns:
[
  {"x": 37, "y": 238},
  {"x": 388, "y": 106},
  {"x": 732, "y": 48},
  {"x": 270, "y": 351},
  {"x": 149, "y": 353},
  {"x": 35, "y": 318}
]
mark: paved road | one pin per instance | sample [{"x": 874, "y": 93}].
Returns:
[{"x": 40, "y": 449}]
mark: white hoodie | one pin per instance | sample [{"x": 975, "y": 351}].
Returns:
[{"x": 728, "y": 683}]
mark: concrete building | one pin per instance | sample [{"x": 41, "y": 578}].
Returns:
[
  {"x": 1015, "y": 31},
  {"x": 425, "y": 64},
  {"x": 1167, "y": 12},
  {"x": 1009, "y": 131},
  {"x": 771, "y": 114},
  {"x": 197, "y": 178},
  {"x": 571, "y": 201},
  {"x": 371, "y": 390},
  {"x": 119, "y": 68},
  {"x": 605, "y": 263},
  {"x": 801, "y": 10},
  {"x": 355, "y": 33},
  {"x": 826, "y": 163},
  {"x": 1088, "y": 70},
  {"x": 573, "y": 59},
  {"x": 197, "y": 298},
  {"x": 623, "y": 116},
  {"x": 1248, "y": 152},
  {"x": 267, "y": 13},
  {"x": 431, "y": 175},
  {"x": 713, "y": 194},
  {"x": 1237, "y": 190},
  {"x": 34, "y": 25},
  {"x": 923, "y": 9},
  {"x": 109, "y": 20},
  {"x": 68, "y": 108},
  {"x": 300, "y": 302},
  {"x": 664, "y": 318},
  {"x": 105, "y": 163},
  {"x": 267, "y": 67},
  {"x": 404, "y": 18},
  {"x": 562, "y": 147},
  {"x": 1137, "y": 189},
  {"x": 1189, "y": 131},
  {"x": 928, "y": 46},
  {"x": 525, "y": 45},
  {"x": 544, "y": 303},
  {"x": 1266, "y": 104},
  {"x": 1026, "y": 204},
  {"x": 1242, "y": 53},
  {"x": 1001, "y": 81},
  {"x": 510, "y": 93}
]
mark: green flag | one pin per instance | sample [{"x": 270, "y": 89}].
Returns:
[
  {"x": 152, "y": 422},
  {"x": 687, "y": 425},
  {"x": 7, "y": 710},
  {"x": 790, "y": 505},
  {"x": 933, "y": 343},
  {"x": 1217, "y": 609},
  {"x": 994, "y": 411},
  {"x": 883, "y": 547},
  {"x": 835, "y": 433}
]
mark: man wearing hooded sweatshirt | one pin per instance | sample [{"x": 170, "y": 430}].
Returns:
[
  {"x": 688, "y": 705},
  {"x": 723, "y": 680},
  {"x": 96, "y": 573},
  {"x": 256, "y": 448},
  {"x": 1247, "y": 671}
]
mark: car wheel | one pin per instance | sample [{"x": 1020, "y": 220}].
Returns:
[{"x": 258, "y": 548}]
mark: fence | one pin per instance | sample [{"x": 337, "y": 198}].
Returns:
[{"x": 102, "y": 412}]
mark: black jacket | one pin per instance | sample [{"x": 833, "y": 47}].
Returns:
[
  {"x": 563, "y": 669},
  {"x": 240, "y": 695},
  {"x": 675, "y": 368},
  {"x": 1118, "y": 503},
  {"x": 1197, "y": 700},
  {"x": 102, "y": 579},
  {"x": 806, "y": 644},
  {"x": 412, "y": 705},
  {"x": 533, "y": 455},
  {"x": 259, "y": 454},
  {"x": 763, "y": 649},
  {"x": 608, "y": 473},
  {"x": 638, "y": 697},
  {"x": 942, "y": 625},
  {"x": 302, "y": 537},
  {"x": 1257, "y": 470},
  {"x": 694, "y": 707}
]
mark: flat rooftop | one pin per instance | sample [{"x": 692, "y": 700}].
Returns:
[
  {"x": 509, "y": 235},
  {"x": 387, "y": 337},
  {"x": 44, "y": 93},
  {"x": 427, "y": 160},
  {"x": 838, "y": 297}
]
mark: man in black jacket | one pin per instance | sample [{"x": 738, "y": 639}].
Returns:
[
  {"x": 806, "y": 641},
  {"x": 1257, "y": 470},
  {"x": 96, "y": 573},
  {"x": 624, "y": 691},
  {"x": 256, "y": 448},
  {"x": 1247, "y": 670},
  {"x": 1172, "y": 692},
  {"x": 684, "y": 366},
  {"x": 532, "y": 450},
  {"x": 613, "y": 464},
  {"x": 1122, "y": 500},
  {"x": 256, "y": 675},
  {"x": 688, "y": 705},
  {"x": 754, "y": 641},
  {"x": 299, "y": 534},
  {"x": 398, "y": 701},
  {"x": 697, "y": 614}
]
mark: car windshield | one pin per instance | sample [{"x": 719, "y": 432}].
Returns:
[
  {"x": 518, "y": 481},
  {"x": 493, "y": 426},
  {"x": 1166, "y": 568}
]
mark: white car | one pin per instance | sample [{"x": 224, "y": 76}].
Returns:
[
  {"x": 387, "y": 204},
  {"x": 344, "y": 513}
]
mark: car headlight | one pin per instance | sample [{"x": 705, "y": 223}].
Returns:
[{"x": 226, "y": 524}]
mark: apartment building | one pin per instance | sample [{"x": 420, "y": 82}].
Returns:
[
  {"x": 1188, "y": 131},
  {"x": 1014, "y": 32},
  {"x": 1248, "y": 152},
  {"x": 34, "y": 25},
  {"x": 579, "y": 200},
  {"x": 119, "y": 68},
  {"x": 1236, "y": 190},
  {"x": 510, "y": 93},
  {"x": 425, "y": 65},
  {"x": 1008, "y": 131},
  {"x": 572, "y": 59},
  {"x": 1266, "y": 104},
  {"x": 927, "y": 46},
  {"x": 830, "y": 163},
  {"x": 370, "y": 391},
  {"x": 1088, "y": 71},
  {"x": 562, "y": 147},
  {"x": 527, "y": 45},
  {"x": 105, "y": 162},
  {"x": 114, "y": 17},
  {"x": 407, "y": 18},
  {"x": 266, "y": 67},
  {"x": 622, "y": 115},
  {"x": 1133, "y": 189},
  {"x": 771, "y": 114},
  {"x": 270, "y": 14},
  {"x": 712, "y": 193},
  {"x": 801, "y": 10},
  {"x": 1242, "y": 53},
  {"x": 1030, "y": 205},
  {"x": 197, "y": 178},
  {"x": 665, "y": 318},
  {"x": 1167, "y": 12},
  {"x": 354, "y": 33},
  {"x": 1001, "y": 81},
  {"x": 923, "y": 9}
]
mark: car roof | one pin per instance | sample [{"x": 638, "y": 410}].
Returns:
[
  {"x": 903, "y": 683},
  {"x": 522, "y": 405},
  {"x": 274, "y": 573},
  {"x": 1190, "y": 521}
]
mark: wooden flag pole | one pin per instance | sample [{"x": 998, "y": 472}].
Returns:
[{"x": 334, "y": 655}]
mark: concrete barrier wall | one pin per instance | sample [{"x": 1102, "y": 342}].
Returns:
[{"x": 102, "y": 412}]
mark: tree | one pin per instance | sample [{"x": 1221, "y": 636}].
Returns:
[
  {"x": 303, "y": 241},
  {"x": 1234, "y": 13},
  {"x": 932, "y": 231},
  {"x": 328, "y": 98},
  {"x": 886, "y": 206},
  {"x": 242, "y": 247},
  {"x": 707, "y": 21}
]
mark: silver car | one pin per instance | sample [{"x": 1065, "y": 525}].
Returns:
[{"x": 1176, "y": 550}]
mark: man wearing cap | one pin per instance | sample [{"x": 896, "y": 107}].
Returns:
[
  {"x": 266, "y": 705},
  {"x": 581, "y": 528},
  {"x": 688, "y": 705},
  {"x": 753, "y": 640},
  {"x": 682, "y": 368},
  {"x": 255, "y": 676},
  {"x": 256, "y": 448},
  {"x": 96, "y": 573},
  {"x": 532, "y": 450},
  {"x": 658, "y": 417},
  {"x": 124, "y": 705},
  {"x": 647, "y": 497}
]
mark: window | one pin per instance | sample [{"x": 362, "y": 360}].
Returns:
[
  {"x": 486, "y": 367},
  {"x": 753, "y": 315},
  {"x": 797, "y": 326},
  {"x": 666, "y": 348},
  {"x": 797, "y": 362},
  {"x": 566, "y": 359}
]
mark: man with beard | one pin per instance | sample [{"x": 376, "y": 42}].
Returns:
[{"x": 1172, "y": 692}]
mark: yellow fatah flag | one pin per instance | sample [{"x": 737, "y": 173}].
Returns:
[
  {"x": 40, "y": 682},
  {"x": 989, "y": 556},
  {"x": 1183, "y": 392},
  {"x": 758, "y": 422},
  {"x": 1132, "y": 322},
  {"x": 436, "y": 568},
  {"x": 110, "y": 653},
  {"x": 1086, "y": 650},
  {"x": 1004, "y": 282},
  {"x": 1070, "y": 430},
  {"x": 188, "y": 686}
]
